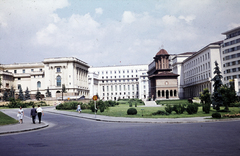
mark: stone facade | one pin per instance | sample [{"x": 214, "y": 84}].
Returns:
[
  {"x": 52, "y": 73},
  {"x": 163, "y": 83}
]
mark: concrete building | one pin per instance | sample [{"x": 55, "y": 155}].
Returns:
[
  {"x": 163, "y": 83},
  {"x": 51, "y": 73},
  {"x": 114, "y": 82},
  {"x": 230, "y": 56},
  {"x": 197, "y": 70},
  {"x": 177, "y": 65}
]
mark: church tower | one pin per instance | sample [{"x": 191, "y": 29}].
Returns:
[{"x": 163, "y": 83}]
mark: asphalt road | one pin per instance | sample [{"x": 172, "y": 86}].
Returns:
[{"x": 77, "y": 136}]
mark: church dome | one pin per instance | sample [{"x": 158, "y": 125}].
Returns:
[{"x": 162, "y": 52}]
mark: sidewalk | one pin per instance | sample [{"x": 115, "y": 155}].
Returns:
[
  {"x": 29, "y": 126},
  {"x": 16, "y": 128},
  {"x": 136, "y": 120}
]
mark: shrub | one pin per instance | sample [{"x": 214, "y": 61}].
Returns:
[
  {"x": 159, "y": 112},
  {"x": 135, "y": 104},
  {"x": 131, "y": 111},
  {"x": 130, "y": 104},
  {"x": 66, "y": 105},
  {"x": 216, "y": 115},
  {"x": 192, "y": 108},
  {"x": 92, "y": 106},
  {"x": 169, "y": 109},
  {"x": 236, "y": 104},
  {"x": 179, "y": 109},
  {"x": 101, "y": 109},
  {"x": 206, "y": 107}
]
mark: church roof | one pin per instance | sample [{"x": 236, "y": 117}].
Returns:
[
  {"x": 165, "y": 74},
  {"x": 162, "y": 52}
]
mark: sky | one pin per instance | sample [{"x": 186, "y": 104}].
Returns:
[{"x": 110, "y": 32}]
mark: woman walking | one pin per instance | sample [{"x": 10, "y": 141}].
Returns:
[
  {"x": 79, "y": 108},
  {"x": 20, "y": 115}
]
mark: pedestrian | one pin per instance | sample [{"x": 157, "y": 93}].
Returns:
[
  {"x": 39, "y": 113},
  {"x": 33, "y": 114},
  {"x": 79, "y": 108},
  {"x": 20, "y": 115}
]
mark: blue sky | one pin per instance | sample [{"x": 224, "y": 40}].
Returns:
[{"x": 105, "y": 32}]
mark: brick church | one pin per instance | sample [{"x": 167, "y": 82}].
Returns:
[{"x": 163, "y": 83}]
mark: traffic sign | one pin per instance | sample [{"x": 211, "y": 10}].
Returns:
[{"x": 95, "y": 98}]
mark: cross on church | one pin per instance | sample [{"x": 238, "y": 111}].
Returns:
[{"x": 161, "y": 47}]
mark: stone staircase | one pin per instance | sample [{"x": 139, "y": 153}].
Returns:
[{"x": 150, "y": 103}]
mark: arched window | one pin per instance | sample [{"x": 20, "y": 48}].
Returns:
[
  {"x": 167, "y": 94},
  {"x": 159, "y": 92},
  {"x": 58, "y": 81},
  {"x": 171, "y": 93},
  {"x": 175, "y": 93},
  {"x": 38, "y": 84},
  {"x": 162, "y": 93}
]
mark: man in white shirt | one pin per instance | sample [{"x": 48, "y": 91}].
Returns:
[{"x": 40, "y": 113}]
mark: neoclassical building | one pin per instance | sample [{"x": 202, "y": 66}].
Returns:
[
  {"x": 163, "y": 83},
  {"x": 50, "y": 74}
]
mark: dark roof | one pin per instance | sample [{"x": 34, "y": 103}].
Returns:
[
  {"x": 165, "y": 74},
  {"x": 187, "y": 53},
  {"x": 217, "y": 43},
  {"x": 162, "y": 52}
]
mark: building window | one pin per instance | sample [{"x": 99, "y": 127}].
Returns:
[
  {"x": 58, "y": 69},
  {"x": 23, "y": 70},
  {"x": 40, "y": 70},
  {"x": 38, "y": 84},
  {"x": 19, "y": 86},
  {"x": 15, "y": 71},
  {"x": 32, "y": 70},
  {"x": 58, "y": 81}
]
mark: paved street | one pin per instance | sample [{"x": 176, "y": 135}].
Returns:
[{"x": 69, "y": 135}]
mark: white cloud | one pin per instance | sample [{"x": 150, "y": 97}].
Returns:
[
  {"x": 128, "y": 17},
  {"x": 99, "y": 11},
  {"x": 45, "y": 29},
  {"x": 233, "y": 25},
  {"x": 169, "y": 20},
  {"x": 188, "y": 18}
]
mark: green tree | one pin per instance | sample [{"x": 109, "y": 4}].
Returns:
[
  {"x": 205, "y": 98},
  {"x": 48, "y": 93},
  {"x": 27, "y": 95},
  {"x": 228, "y": 96},
  {"x": 217, "y": 100},
  {"x": 38, "y": 95},
  {"x": 63, "y": 90},
  {"x": 0, "y": 81},
  {"x": 20, "y": 95},
  {"x": 5, "y": 96},
  {"x": 12, "y": 93}
]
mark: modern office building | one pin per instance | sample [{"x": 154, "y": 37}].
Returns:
[
  {"x": 119, "y": 82},
  {"x": 230, "y": 56},
  {"x": 50, "y": 74},
  {"x": 197, "y": 70},
  {"x": 177, "y": 65}
]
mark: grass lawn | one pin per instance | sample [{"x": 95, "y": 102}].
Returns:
[
  {"x": 172, "y": 102},
  {"x": 6, "y": 120},
  {"x": 121, "y": 111}
]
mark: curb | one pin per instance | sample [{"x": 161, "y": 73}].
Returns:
[
  {"x": 25, "y": 130},
  {"x": 156, "y": 122}
]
